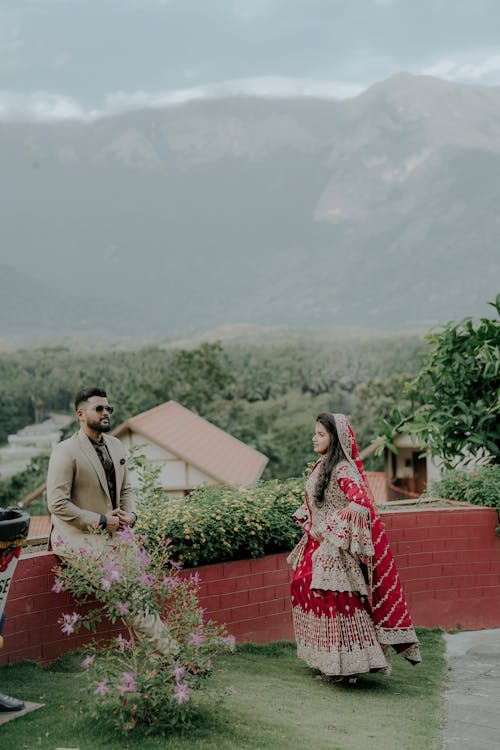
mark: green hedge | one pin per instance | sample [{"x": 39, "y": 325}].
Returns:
[
  {"x": 481, "y": 486},
  {"x": 214, "y": 524}
]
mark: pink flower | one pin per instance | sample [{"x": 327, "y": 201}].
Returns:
[
  {"x": 181, "y": 692},
  {"x": 58, "y": 586},
  {"x": 195, "y": 577},
  {"x": 122, "y": 608},
  {"x": 105, "y": 584},
  {"x": 101, "y": 688},
  {"x": 196, "y": 639},
  {"x": 58, "y": 541},
  {"x": 88, "y": 661},
  {"x": 125, "y": 535},
  {"x": 230, "y": 640},
  {"x": 68, "y": 623},
  {"x": 128, "y": 683}
]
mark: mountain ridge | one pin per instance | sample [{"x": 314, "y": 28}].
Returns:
[{"x": 372, "y": 212}]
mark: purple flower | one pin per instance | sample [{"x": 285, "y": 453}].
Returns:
[
  {"x": 178, "y": 671},
  {"x": 143, "y": 557},
  {"x": 128, "y": 683},
  {"x": 181, "y": 692},
  {"x": 88, "y": 661},
  {"x": 122, "y": 608},
  {"x": 111, "y": 570},
  {"x": 170, "y": 582},
  {"x": 58, "y": 586},
  {"x": 175, "y": 565},
  {"x": 122, "y": 643},
  {"x": 196, "y": 639},
  {"x": 230, "y": 640},
  {"x": 195, "y": 577},
  {"x": 125, "y": 535},
  {"x": 105, "y": 584},
  {"x": 68, "y": 623},
  {"x": 58, "y": 541},
  {"x": 101, "y": 688},
  {"x": 146, "y": 579}
]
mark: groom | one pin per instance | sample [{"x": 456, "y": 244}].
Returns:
[{"x": 88, "y": 489}]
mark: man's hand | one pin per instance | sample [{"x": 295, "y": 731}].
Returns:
[
  {"x": 126, "y": 519},
  {"x": 112, "y": 521}
]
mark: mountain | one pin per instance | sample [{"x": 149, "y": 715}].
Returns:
[{"x": 378, "y": 211}]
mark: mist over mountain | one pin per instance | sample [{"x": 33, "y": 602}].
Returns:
[{"x": 379, "y": 211}]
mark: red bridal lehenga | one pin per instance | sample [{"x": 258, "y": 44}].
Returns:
[{"x": 348, "y": 605}]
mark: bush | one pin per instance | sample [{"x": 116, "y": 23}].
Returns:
[
  {"x": 132, "y": 685},
  {"x": 214, "y": 524},
  {"x": 480, "y": 486}
]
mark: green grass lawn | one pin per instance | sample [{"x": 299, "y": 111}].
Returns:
[{"x": 278, "y": 704}]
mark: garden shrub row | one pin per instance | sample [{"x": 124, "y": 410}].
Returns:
[
  {"x": 480, "y": 486},
  {"x": 214, "y": 524}
]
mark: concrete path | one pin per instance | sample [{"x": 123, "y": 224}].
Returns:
[
  {"x": 11, "y": 715},
  {"x": 473, "y": 695}
]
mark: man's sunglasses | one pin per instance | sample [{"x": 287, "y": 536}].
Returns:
[{"x": 101, "y": 407}]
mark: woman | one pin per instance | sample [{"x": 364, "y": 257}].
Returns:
[{"x": 347, "y": 602}]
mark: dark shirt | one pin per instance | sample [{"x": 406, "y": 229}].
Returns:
[{"x": 108, "y": 466}]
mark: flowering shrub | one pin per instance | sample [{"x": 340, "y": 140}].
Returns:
[
  {"x": 133, "y": 684},
  {"x": 219, "y": 523}
]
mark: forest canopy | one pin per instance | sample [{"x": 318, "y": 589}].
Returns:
[{"x": 267, "y": 394}]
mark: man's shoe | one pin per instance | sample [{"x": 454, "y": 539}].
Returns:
[{"x": 10, "y": 704}]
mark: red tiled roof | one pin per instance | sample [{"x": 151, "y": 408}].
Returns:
[
  {"x": 198, "y": 442},
  {"x": 378, "y": 485}
]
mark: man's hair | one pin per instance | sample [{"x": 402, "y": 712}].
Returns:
[{"x": 85, "y": 393}]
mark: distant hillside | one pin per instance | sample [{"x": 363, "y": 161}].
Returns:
[{"x": 379, "y": 211}]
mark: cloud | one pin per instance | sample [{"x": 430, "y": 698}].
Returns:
[
  {"x": 40, "y": 106},
  {"x": 43, "y": 106},
  {"x": 479, "y": 70}
]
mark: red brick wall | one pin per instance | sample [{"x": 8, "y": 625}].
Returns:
[{"x": 448, "y": 560}]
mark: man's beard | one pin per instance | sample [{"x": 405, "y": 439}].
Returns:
[{"x": 99, "y": 426}]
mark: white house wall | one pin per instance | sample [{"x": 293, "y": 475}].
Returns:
[
  {"x": 196, "y": 477},
  {"x": 176, "y": 475},
  {"x": 152, "y": 451}
]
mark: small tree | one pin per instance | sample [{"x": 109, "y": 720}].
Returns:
[{"x": 456, "y": 395}]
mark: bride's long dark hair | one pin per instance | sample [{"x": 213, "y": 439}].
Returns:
[{"x": 334, "y": 456}]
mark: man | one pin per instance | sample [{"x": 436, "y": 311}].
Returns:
[
  {"x": 88, "y": 489},
  {"x": 87, "y": 481}
]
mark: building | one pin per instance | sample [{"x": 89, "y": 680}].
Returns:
[{"x": 190, "y": 450}]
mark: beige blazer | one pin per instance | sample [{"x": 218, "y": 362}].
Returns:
[{"x": 77, "y": 490}]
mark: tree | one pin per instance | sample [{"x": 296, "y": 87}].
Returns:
[
  {"x": 196, "y": 377},
  {"x": 456, "y": 395}
]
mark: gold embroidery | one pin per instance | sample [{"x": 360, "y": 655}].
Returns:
[
  {"x": 334, "y": 569},
  {"x": 338, "y": 646}
]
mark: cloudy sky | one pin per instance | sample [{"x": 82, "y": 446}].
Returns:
[{"x": 80, "y": 58}]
